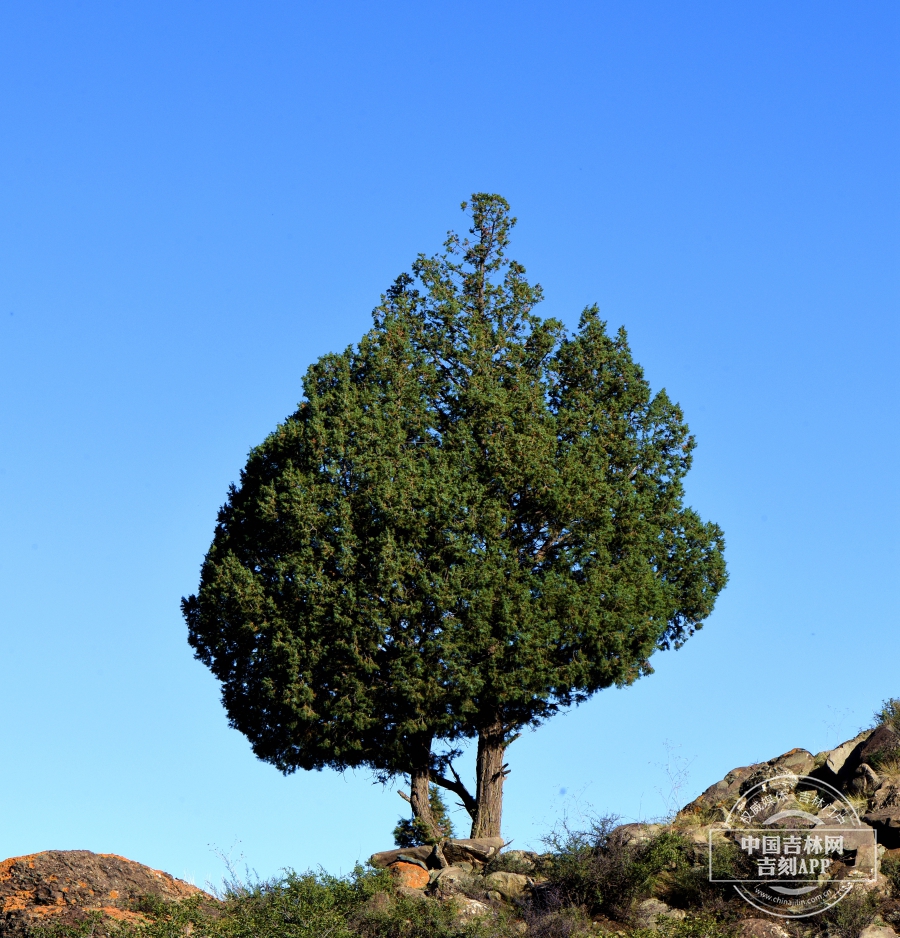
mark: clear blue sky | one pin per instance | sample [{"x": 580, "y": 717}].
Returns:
[{"x": 198, "y": 199}]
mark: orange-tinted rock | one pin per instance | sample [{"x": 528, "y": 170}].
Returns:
[
  {"x": 409, "y": 875},
  {"x": 66, "y": 886}
]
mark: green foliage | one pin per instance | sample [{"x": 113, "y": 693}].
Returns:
[
  {"x": 472, "y": 520},
  {"x": 890, "y": 867},
  {"x": 404, "y": 917},
  {"x": 692, "y": 926},
  {"x": 411, "y": 832},
  {"x": 89, "y": 926},
  {"x": 591, "y": 873},
  {"x": 600, "y": 871},
  {"x": 363, "y": 905},
  {"x": 889, "y": 714},
  {"x": 850, "y": 916},
  {"x": 689, "y": 885}
]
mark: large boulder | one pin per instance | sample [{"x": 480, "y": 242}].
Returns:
[
  {"x": 385, "y": 858},
  {"x": 651, "y": 912},
  {"x": 409, "y": 875},
  {"x": 887, "y": 796},
  {"x": 453, "y": 880},
  {"x": 723, "y": 794},
  {"x": 843, "y": 765},
  {"x": 634, "y": 834},
  {"x": 472, "y": 850},
  {"x": 470, "y": 908},
  {"x": 887, "y": 826},
  {"x": 509, "y": 885},
  {"x": 836, "y": 759},
  {"x": 881, "y": 744},
  {"x": 66, "y": 887},
  {"x": 522, "y": 861}
]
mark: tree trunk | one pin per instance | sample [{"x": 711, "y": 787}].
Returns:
[
  {"x": 419, "y": 785},
  {"x": 491, "y": 773}
]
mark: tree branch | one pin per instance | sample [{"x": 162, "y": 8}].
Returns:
[
  {"x": 457, "y": 787},
  {"x": 548, "y": 545}
]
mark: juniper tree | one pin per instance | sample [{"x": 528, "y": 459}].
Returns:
[{"x": 473, "y": 519}]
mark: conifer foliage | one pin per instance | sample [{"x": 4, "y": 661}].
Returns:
[
  {"x": 411, "y": 832},
  {"x": 472, "y": 520}
]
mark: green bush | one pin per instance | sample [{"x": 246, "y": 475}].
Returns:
[
  {"x": 889, "y": 714},
  {"x": 362, "y": 905},
  {"x": 848, "y": 917},
  {"x": 698, "y": 926},
  {"x": 890, "y": 867},
  {"x": 598, "y": 871}
]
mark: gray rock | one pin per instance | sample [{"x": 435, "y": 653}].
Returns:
[
  {"x": 725, "y": 792},
  {"x": 635, "y": 834},
  {"x": 794, "y": 762},
  {"x": 786, "y": 768},
  {"x": 878, "y": 931},
  {"x": 412, "y": 893},
  {"x": 887, "y": 826},
  {"x": 387, "y": 857},
  {"x": 887, "y": 796},
  {"x": 452, "y": 880},
  {"x": 472, "y": 850},
  {"x": 509, "y": 885},
  {"x": 882, "y": 742},
  {"x": 865, "y": 780},
  {"x": 839, "y": 755},
  {"x": 650, "y": 911},
  {"x": 470, "y": 908},
  {"x": 406, "y": 858}
]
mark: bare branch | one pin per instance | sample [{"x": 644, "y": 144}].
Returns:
[{"x": 458, "y": 789}]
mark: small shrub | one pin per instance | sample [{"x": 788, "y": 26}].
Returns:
[
  {"x": 692, "y": 926},
  {"x": 890, "y": 867},
  {"x": 544, "y": 923},
  {"x": 511, "y": 863},
  {"x": 882, "y": 759},
  {"x": 604, "y": 875},
  {"x": 850, "y": 916},
  {"x": 690, "y": 886},
  {"x": 407, "y": 918},
  {"x": 889, "y": 714}
]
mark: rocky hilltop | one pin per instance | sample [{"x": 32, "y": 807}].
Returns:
[
  {"x": 63, "y": 887},
  {"x": 864, "y": 770},
  {"x": 630, "y": 879}
]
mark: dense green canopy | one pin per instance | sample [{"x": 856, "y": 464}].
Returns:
[{"x": 472, "y": 520}]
